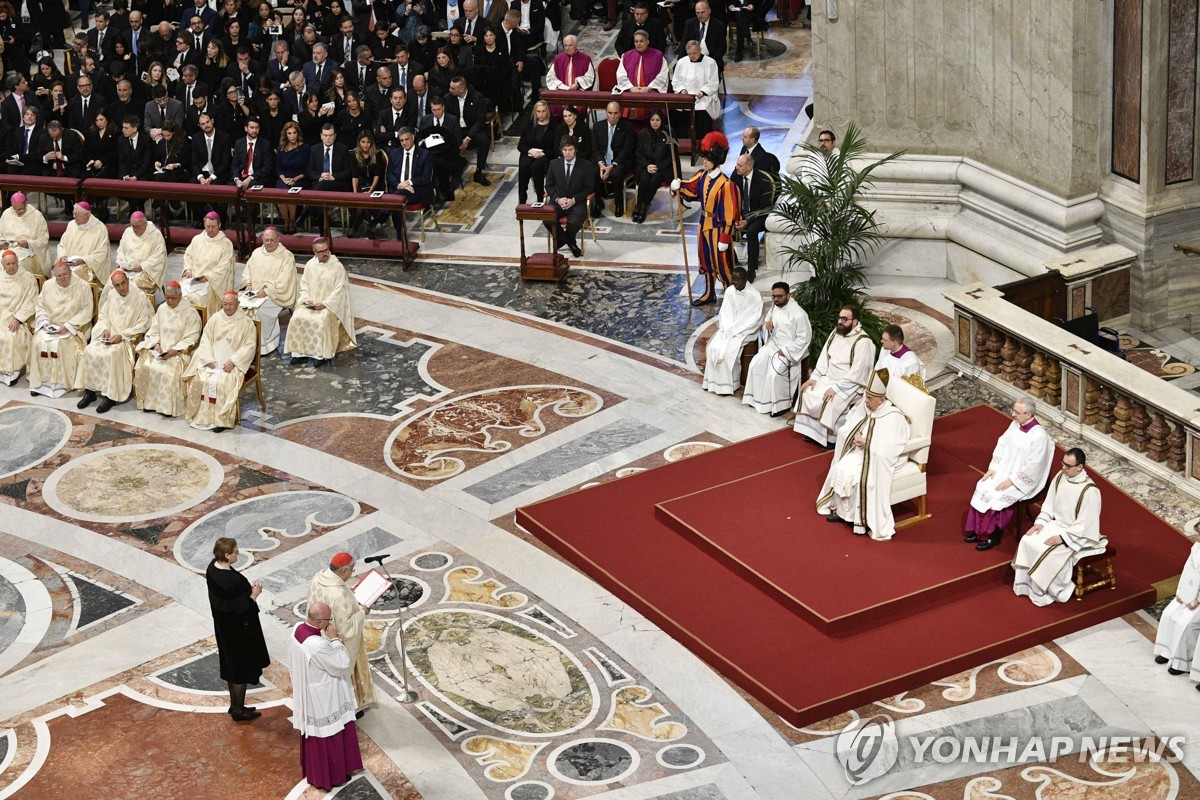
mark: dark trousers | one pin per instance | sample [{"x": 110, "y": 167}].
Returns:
[
  {"x": 615, "y": 185},
  {"x": 534, "y": 168},
  {"x": 564, "y": 235},
  {"x": 754, "y": 228},
  {"x": 648, "y": 185},
  {"x": 482, "y": 146}
]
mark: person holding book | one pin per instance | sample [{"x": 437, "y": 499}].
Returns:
[{"x": 330, "y": 586}]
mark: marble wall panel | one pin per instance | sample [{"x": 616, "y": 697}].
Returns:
[
  {"x": 1181, "y": 91},
  {"x": 1110, "y": 294},
  {"x": 1127, "y": 90}
]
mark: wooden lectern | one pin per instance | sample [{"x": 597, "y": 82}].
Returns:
[{"x": 541, "y": 266}]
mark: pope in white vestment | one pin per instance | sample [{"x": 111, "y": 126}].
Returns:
[
  {"x": 737, "y": 324},
  {"x": 18, "y": 298},
  {"x": 1018, "y": 470},
  {"x": 85, "y": 246},
  {"x": 323, "y": 324},
  {"x": 25, "y": 230},
  {"x": 330, "y": 586},
  {"x": 1069, "y": 523},
  {"x": 836, "y": 382},
  {"x": 869, "y": 451},
  {"x": 774, "y": 374},
  {"x": 271, "y": 275},
  {"x": 213, "y": 378},
  {"x": 698, "y": 75},
  {"x": 142, "y": 253},
  {"x": 210, "y": 257},
  {"x": 106, "y": 364},
  {"x": 62, "y": 323},
  {"x": 164, "y": 353},
  {"x": 1179, "y": 626}
]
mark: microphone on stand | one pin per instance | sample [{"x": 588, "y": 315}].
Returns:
[{"x": 378, "y": 559}]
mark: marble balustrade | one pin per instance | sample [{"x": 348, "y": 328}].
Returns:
[{"x": 1110, "y": 402}]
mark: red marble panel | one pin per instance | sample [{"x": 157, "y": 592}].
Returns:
[
  {"x": 1078, "y": 302},
  {"x": 1110, "y": 294},
  {"x": 1127, "y": 90},
  {"x": 964, "y": 337},
  {"x": 1073, "y": 395},
  {"x": 1181, "y": 91}
]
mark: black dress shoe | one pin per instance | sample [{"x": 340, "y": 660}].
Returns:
[
  {"x": 481, "y": 179},
  {"x": 89, "y": 397},
  {"x": 1161, "y": 659},
  {"x": 575, "y": 251},
  {"x": 1171, "y": 671},
  {"x": 247, "y": 708},
  {"x": 971, "y": 538},
  {"x": 989, "y": 544},
  {"x": 104, "y": 405},
  {"x": 245, "y": 715},
  {"x": 833, "y": 518}
]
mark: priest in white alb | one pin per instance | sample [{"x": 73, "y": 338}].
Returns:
[
  {"x": 106, "y": 364},
  {"x": 63, "y": 319},
  {"x": 1179, "y": 626},
  {"x": 1018, "y": 470},
  {"x": 896, "y": 357},
  {"x": 84, "y": 245},
  {"x": 737, "y": 325},
  {"x": 571, "y": 69},
  {"x": 323, "y": 324},
  {"x": 1068, "y": 526},
  {"x": 24, "y": 226},
  {"x": 331, "y": 586},
  {"x": 208, "y": 266},
  {"x": 836, "y": 382},
  {"x": 858, "y": 487},
  {"x": 774, "y": 373},
  {"x": 142, "y": 253},
  {"x": 213, "y": 378},
  {"x": 164, "y": 353},
  {"x": 270, "y": 276},
  {"x": 18, "y": 298}
]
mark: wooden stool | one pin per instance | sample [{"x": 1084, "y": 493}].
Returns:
[
  {"x": 1098, "y": 569},
  {"x": 748, "y": 354}
]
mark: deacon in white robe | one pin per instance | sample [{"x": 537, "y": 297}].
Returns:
[
  {"x": 1068, "y": 525},
  {"x": 213, "y": 378},
  {"x": 63, "y": 319},
  {"x": 323, "y": 323},
  {"x": 895, "y": 357},
  {"x": 84, "y": 245},
  {"x": 164, "y": 353},
  {"x": 836, "y": 382},
  {"x": 571, "y": 69},
  {"x": 1018, "y": 470},
  {"x": 18, "y": 298},
  {"x": 1179, "y": 626},
  {"x": 270, "y": 276},
  {"x": 142, "y": 253},
  {"x": 25, "y": 230},
  {"x": 208, "y": 266},
  {"x": 737, "y": 324},
  {"x": 697, "y": 75},
  {"x": 858, "y": 487},
  {"x": 330, "y": 586},
  {"x": 106, "y": 365},
  {"x": 774, "y": 374},
  {"x": 323, "y": 700}
]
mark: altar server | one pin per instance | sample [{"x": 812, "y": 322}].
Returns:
[
  {"x": 774, "y": 374},
  {"x": 737, "y": 324},
  {"x": 1179, "y": 626}
]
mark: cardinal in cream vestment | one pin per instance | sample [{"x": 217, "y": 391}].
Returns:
[
  {"x": 164, "y": 353},
  {"x": 323, "y": 323},
  {"x": 61, "y": 326},
  {"x": 213, "y": 378},
  {"x": 330, "y": 586}
]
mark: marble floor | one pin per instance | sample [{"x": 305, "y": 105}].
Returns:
[{"x": 470, "y": 395}]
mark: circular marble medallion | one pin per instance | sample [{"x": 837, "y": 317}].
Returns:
[
  {"x": 412, "y": 592},
  {"x": 31, "y": 434},
  {"x": 28, "y": 610},
  {"x": 529, "y": 790},
  {"x": 133, "y": 483},
  {"x": 680, "y": 756},
  {"x": 430, "y": 562},
  {"x": 588, "y": 762},
  {"x": 678, "y": 452}
]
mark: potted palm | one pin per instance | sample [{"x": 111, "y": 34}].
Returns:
[{"x": 830, "y": 231}]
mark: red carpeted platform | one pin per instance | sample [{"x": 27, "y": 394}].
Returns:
[{"x": 905, "y": 613}]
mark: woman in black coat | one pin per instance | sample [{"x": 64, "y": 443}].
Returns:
[
  {"x": 654, "y": 164},
  {"x": 538, "y": 146},
  {"x": 241, "y": 648}
]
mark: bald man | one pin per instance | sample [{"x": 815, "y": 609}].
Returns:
[
  {"x": 142, "y": 253},
  {"x": 106, "y": 367},
  {"x": 213, "y": 379},
  {"x": 62, "y": 323},
  {"x": 85, "y": 245},
  {"x": 164, "y": 355}
]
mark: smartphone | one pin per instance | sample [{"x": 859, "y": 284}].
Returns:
[
  {"x": 376, "y": 194},
  {"x": 256, "y": 187},
  {"x": 294, "y": 190},
  {"x": 538, "y": 204}
]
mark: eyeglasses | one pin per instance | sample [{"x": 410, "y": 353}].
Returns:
[
  {"x": 322, "y": 619},
  {"x": 845, "y": 319},
  {"x": 1065, "y": 465}
]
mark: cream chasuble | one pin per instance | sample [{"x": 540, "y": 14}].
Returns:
[
  {"x": 274, "y": 273},
  {"x": 845, "y": 366},
  {"x": 89, "y": 242},
  {"x": 210, "y": 258},
  {"x": 325, "y": 333},
  {"x": 212, "y": 393},
  {"x": 1071, "y": 511},
  {"x": 54, "y": 358},
  {"x": 18, "y": 297},
  {"x": 348, "y": 616},
  {"x": 30, "y": 227},
  {"x": 158, "y": 382},
  {"x": 144, "y": 258},
  {"x": 108, "y": 368}
]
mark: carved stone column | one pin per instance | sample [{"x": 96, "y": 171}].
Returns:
[
  {"x": 1158, "y": 432},
  {"x": 982, "y": 332},
  {"x": 1023, "y": 362},
  {"x": 994, "y": 343},
  {"x": 1176, "y": 452},
  {"x": 1139, "y": 436},
  {"x": 1008, "y": 358},
  {"x": 1124, "y": 415},
  {"x": 1108, "y": 405},
  {"x": 1091, "y": 403},
  {"x": 1037, "y": 383},
  {"x": 1053, "y": 393}
]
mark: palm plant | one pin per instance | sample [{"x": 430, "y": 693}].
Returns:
[{"x": 834, "y": 232}]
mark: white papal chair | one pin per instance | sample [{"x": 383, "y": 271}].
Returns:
[{"x": 910, "y": 396}]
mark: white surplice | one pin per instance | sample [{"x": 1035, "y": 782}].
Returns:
[
  {"x": 1023, "y": 457},
  {"x": 901, "y": 362},
  {"x": 1071, "y": 511},
  {"x": 774, "y": 373},
  {"x": 322, "y": 700},
  {"x": 737, "y": 323},
  {"x": 1179, "y": 627}
]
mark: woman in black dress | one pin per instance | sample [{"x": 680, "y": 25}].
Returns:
[
  {"x": 370, "y": 169},
  {"x": 240, "y": 645},
  {"x": 654, "y": 164},
  {"x": 538, "y": 147}
]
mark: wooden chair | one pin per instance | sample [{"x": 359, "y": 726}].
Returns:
[
  {"x": 253, "y": 374},
  {"x": 606, "y": 74},
  {"x": 1094, "y": 569},
  {"x": 426, "y": 216}
]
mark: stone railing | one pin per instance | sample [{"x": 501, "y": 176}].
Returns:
[{"x": 1105, "y": 399}]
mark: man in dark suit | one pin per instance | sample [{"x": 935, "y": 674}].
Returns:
[
  {"x": 641, "y": 21},
  {"x": 569, "y": 180},
  {"x": 161, "y": 110},
  {"x": 185, "y": 54},
  {"x": 471, "y": 25},
  {"x": 708, "y": 31},
  {"x": 361, "y": 72},
  {"x": 404, "y": 69},
  {"x": 199, "y": 8},
  {"x": 212, "y": 154},
  {"x": 12, "y": 108},
  {"x": 28, "y": 147},
  {"x": 253, "y": 158},
  {"x": 525, "y": 67},
  {"x": 162, "y": 42},
  {"x": 82, "y": 109},
  {"x": 319, "y": 72},
  {"x": 244, "y": 72},
  {"x": 757, "y": 188},
  {"x": 378, "y": 95},
  {"x": 471, "y": 108},
  {"x": 398, "y": 116},
  {"x": 282, "y": 64},
  {"x": 63, "y": 148},
  {"x": 135, "y": 158},
  {"x": 410, "y": 172},
  {"x": 201, "y": 104},
  {"x": 102, "y": 40},
  {"x": 329, "y": 167},
  {"x": 343, "y": 47},
  {"x": 763, "y": 160},
  {"x": 613, "y": 145},
  {"x": 419, "y": 97},
  {"x": 125, "y": 105},
  {"x": 448, "y": 162},
  {"x": 139, "y": 43}
]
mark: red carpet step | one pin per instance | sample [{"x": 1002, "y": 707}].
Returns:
[{"x": 726, "y": 552}]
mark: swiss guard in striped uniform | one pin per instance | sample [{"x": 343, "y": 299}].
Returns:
[{"x": 721, "y": 209}]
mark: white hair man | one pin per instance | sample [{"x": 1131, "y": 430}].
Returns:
[
  {"x": 84, "y": 245},
  {"x": 329, "y": 587},
  {"x": 142, "y": 253},
  {"x": 60, "y": 331},
  {"x": 18, "y": 298},
  {"x": 323, "y": 323},
  {"x": 214, "y": 377},
  {"x": 571, "y": 69},
  {"x": 858, "y": 488},
  {"x": 164, "y": 353},
  {"x": 270, "y": 276},
  {"x": 106, "y": 364},
  {"x": 1068, "y": 524}
]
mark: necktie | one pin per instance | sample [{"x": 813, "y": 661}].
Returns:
[
  {"x": 362, "y": 77},
  {"x": 349, "y": 50},
  {"x": 20, "y": 103},
  {"x": 189, "y": 95},
  {"x": 162, "y": 116},
  {"x": 608, "y": 153},
  {"x": 403, "y": 77},
  {"x": 25, "y": 146},
  {"x": 703, "y": 28},
  {"x": 437, "y": 122},
  {"x": 470, "y": 26},
  {"x": 406, "y": 167},
  {"x": 208, "y": 142},
  {"x": 134, "y": 37},
  {"x": 85, "y": 109},
  {"x": 320, "y": 69},
  {"x": 58, "y": 161},
  {"x": 328, "y": 159},
  {"x": 100, "y": 45},
  {"x": 249, "y": 159},
  {"x": 569, "y": 165}
]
